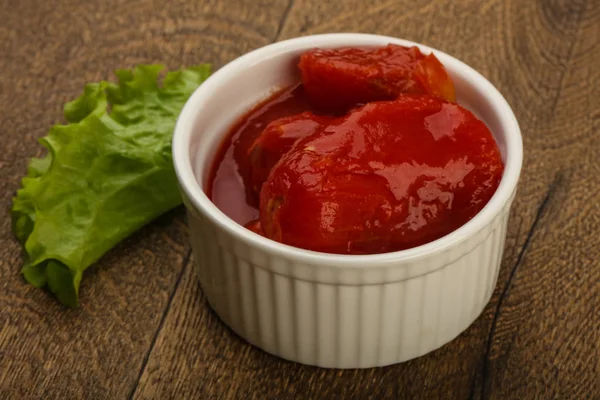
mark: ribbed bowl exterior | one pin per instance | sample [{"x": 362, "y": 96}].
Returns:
[
  {"x": 347, "y": 317},
  {"x": 330, "y": 310}
]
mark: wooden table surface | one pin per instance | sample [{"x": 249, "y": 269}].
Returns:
[{"x": 144, "y": 330}]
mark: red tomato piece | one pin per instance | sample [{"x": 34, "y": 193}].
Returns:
[
  {"x": 276, "y": 140},
  {"x": 434, "y": 79},
  {"x": 255, "y": 227},
  {"x": 337, "y": 79},
  {"x": 388, "y": 176}
]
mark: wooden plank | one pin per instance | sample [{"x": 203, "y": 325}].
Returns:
[
  {"x": 48, "y": 51},
  {"x": 548, "y": 328},
  {"x": 526, "y": 49}
]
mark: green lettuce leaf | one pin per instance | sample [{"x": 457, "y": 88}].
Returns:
[{"x": 107, "y": 173}]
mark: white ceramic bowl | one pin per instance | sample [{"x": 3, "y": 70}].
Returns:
[{"x": 337, "y": 310}]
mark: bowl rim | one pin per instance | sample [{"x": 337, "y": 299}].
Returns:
[{"x": 192, "y": 189}]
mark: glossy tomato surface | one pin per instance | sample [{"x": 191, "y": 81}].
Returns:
[
  {"x": 338, "y": 79},
  {"x": 388, "y": 176},
  {"x": 230, "y": 184},
  {"x": 276, "y": 140},
  {"x": 367, "y": 155}
]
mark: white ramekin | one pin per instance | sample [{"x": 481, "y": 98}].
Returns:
[{"x": 337, "y": 310}]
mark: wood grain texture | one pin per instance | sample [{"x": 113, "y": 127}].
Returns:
[
  {"x": 548, "y": 333},
  {"x": 144, "y": 328},
  {"x": 48, "y": 51}
]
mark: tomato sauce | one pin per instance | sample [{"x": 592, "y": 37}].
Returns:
[
  {"x": 368, "y": 154},
  {"x": 230, "y": 172}
]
